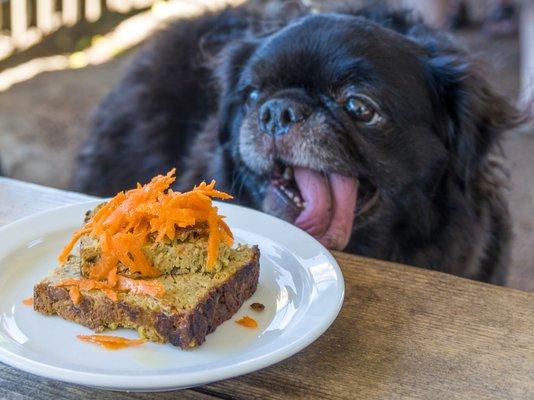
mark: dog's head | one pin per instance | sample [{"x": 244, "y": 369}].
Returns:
[{"x": 335, "y": 121}]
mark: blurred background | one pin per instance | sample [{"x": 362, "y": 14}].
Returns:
[{"x": 59, "y": 57}]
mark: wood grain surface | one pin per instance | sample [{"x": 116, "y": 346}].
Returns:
[
  {"x": 403, "y": 332},
  {"x": 20, "y": 199}
]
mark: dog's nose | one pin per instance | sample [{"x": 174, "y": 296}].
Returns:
[{"x": 277, "y": 115}]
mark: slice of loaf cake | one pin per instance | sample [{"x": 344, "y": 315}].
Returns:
[
  {"x": 192, "y": 306},
  {"x": 158, "y": 261}
]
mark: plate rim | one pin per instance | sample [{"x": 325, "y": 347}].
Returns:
[{"x": 170, "y": 381}]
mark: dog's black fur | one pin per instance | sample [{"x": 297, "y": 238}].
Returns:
[{"x": 183, "y": 104}]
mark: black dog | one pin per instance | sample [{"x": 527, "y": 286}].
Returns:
[{"x": 367, "y": 129}]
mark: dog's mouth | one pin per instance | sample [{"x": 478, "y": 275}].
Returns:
[{"x": 323, "y": 204}]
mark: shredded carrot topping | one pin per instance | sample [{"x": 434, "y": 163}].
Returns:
[
  {"x": 75, "y": 295},
  {"x": 247, "y": 322},
  {"x": 111, "y": 342},
  {"x": 28, "y": 301},
  {"x": 125, "y": 223}
]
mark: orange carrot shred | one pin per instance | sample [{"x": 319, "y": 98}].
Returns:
[
  {"x": 75, "y": 295},
  {"x": 77, "y": 235},
  {"x": 141, "y": 286},
  {"x": 111, "y": 342},
  {"x": 28, "y": 301},
  {"x": 112, "y": 277},
  {"x": 247, "y": 322},
  {"x": 125, "y": 223}
]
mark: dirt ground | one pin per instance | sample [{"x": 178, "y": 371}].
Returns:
[{"x": 43, "y": 120}]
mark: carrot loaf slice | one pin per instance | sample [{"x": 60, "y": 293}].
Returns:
[
  {"x": 192, "y": 306},
  {"x": 154, "y": 260}
]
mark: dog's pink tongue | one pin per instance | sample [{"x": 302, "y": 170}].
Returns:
[
  {"x": 345, "y": 194},
  {"x": 330, "y": 204},
  {"x": 315, "y": 191}
]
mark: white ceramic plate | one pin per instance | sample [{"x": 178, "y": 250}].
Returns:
[{"x": 300, "y": 285}]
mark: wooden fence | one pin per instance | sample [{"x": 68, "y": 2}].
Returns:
[{"x": 24, "y": 23}]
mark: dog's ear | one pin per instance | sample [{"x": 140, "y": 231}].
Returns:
[
  {"x": 232, "y": 25},
  {"x": 246, "y": 22},
  {"x": 471, "y": 115}
]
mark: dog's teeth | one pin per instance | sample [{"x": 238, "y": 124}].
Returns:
[{"x": 290, "y": 192}]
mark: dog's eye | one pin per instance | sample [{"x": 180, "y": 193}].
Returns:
[{"x": 362, "y": 111}]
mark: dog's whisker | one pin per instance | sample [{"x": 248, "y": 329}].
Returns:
[{"x": 244, "y": 175}]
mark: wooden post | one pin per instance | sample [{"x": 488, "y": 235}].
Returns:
[
  {"x": 433, "y": 11},
  {"x": 121, "y": 6},
  {"x": 45, "y": 15},
  {"x": 71, "y": 12},
  {"x": 19, "y": 20},
  {"x": 526, "y": 38},
  {"x": 93, "y": 10},
  {"x": 142, "y": 3}
]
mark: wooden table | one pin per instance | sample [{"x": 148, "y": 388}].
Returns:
[{"x": 403, "y": 332}]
